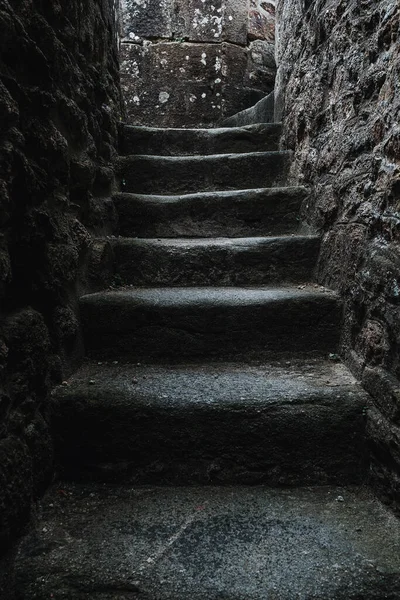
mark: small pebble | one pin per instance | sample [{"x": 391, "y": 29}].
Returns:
[
  {"x": 340, "y": 499},
  {"x": 92, "y": 382},
  {"x": 135, "y": 381},
  {"x": 65, "y": 383}
]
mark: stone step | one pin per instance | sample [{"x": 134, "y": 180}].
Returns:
[
  {"x": 216, "y": 321},
  {"x": 269, "y": 211},
  {"x": 280, "y": 424},
  {"x": 186, "y": 174},
  {"x": 217, "y": 261},
  {"x": 210, "y": 543},
  {"x": 175, "y": 142}
]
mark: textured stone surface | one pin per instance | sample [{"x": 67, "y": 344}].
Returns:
[
  {"x": 270, "y": 211},
  {"x": 338, "y": 95},
  {"x": 59, "y": 104},
  {"x": 262, "y": 112},
  {"x": 185, "y": 174},
  {"x": 210, "y": 543},
  {"x": 273, "y": 423},
  {"x": 175, "y": 142},
  {"x": 203, "y": 321},
  {"x": 218, "y": 261},
  {"x": 172, "y": 83},
  {"x": 191, "y": 20},
  {"x": 188, "y": 63}
]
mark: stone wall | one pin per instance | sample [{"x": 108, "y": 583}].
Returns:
[
  {"x": 59, "y": 107},
  {"x": 194, "y": 62},
  {"x": 338, "y": 92}
]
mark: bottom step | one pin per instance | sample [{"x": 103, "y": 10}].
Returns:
[
  {"x": 294, "y": 423},
  {"x": 109, "y": 543}
]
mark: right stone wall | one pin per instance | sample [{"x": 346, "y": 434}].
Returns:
[{"x": 338, "y": 95}]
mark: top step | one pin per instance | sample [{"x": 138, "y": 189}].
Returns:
[{"x": 260, "y": 137}]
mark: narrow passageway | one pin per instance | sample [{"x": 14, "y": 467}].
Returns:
[
  {"x": 214, "y": 443},
  {"x": 213, "y": 362}
]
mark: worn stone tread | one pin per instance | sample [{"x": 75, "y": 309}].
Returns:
[
  {"x": 184, "y": 174},
  {"x": 217, "y": 261},
  {"x": 234, "y": 213},
  {"x": 175, "y": 142},
  {"x": 211, "y": 321},
  {"x": 209, "y": 543},
  {"x": 274, "y": 423}
]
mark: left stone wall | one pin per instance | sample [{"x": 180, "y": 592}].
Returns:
[{"x": 59, "y": 113}]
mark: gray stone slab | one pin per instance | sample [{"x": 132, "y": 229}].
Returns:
[
  {"x": 172, "y": 84},
  {"x": 199, "y": 20},
  {"x": 270, "y": 211},
  {"x": 272, "y": 423},
  {"x": 185, "y": 174},
  {"x": 235, "y": 14},
  {"x": 218, "y": 261},
  {"x": 204, "y": 321},
  {"x": 176, "y": 142},
  {"x": 210, "y": 544},
  {"x": 211, "y": 20}
]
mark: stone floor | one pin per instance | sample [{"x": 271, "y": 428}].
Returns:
[{"x": 211, "y": 543}]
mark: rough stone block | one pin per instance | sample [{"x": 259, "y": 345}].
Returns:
[
  {"x": 147, "y": 19},
  {"x": 261, "y": 68},
  {"x": 185, "y": 82},
  {"x": 235, "y": 21},
  {"x": 199, "y": 20},
  {"x": 385, "y": 389}
]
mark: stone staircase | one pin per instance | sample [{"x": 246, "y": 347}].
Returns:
[{"x": 211, "y": 369}]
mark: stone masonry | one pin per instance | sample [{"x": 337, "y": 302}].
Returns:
[
  {"x": 192, "y": 63},
  {"x": 176, "y": 303},
  {"x": 59, "y": 110},
  {"x": 338, "y": 95}
]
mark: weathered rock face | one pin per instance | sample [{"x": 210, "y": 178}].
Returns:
[
  {"x": 338, "y": 91},
  {"x": 59, "y": 102},
  {"x": 190, "y": 63}
]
